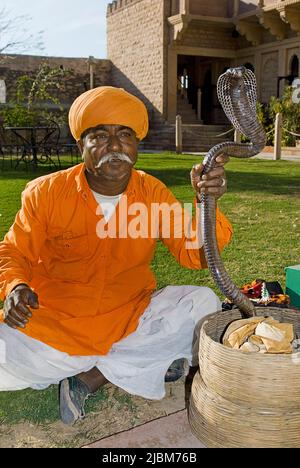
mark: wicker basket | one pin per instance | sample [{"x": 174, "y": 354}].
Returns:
[{"x": 245, "y": 400}]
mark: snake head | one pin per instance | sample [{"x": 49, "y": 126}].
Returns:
[{"x": 237, "y": 72}]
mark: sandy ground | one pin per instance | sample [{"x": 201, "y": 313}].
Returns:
[{"x": 119, "y": 412}]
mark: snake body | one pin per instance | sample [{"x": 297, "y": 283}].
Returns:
[{"x": 237, "y": 94}]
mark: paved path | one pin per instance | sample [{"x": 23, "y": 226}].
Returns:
[
  {"x": 269, "y": 156},
  {"x": 171, "y": 431}
]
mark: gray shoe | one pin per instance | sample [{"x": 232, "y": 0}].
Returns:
[
  {"x": 72, "y": 396},
  {"x": 175, "y": 371}
]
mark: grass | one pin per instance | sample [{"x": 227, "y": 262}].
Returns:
[
  {"x": 263, "y": 204},
  {"x": 38, "y": 406}
]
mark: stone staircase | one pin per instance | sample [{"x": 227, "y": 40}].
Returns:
[
  {"x": 185, "y": 109},
  {"x": 196, "y": 138},
  {"x": 204, "y": 137}
]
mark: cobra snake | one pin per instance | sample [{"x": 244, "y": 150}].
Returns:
[{"x": 237, "y": 94}]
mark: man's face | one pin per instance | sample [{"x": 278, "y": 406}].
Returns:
[{"x": 109, "y": 151}]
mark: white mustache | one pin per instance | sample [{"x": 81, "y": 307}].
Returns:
[{"x": 112, "y": 157}]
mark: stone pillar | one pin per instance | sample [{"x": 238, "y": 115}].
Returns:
[
  {"x": 237, "y": 137},
  {"x": 278, "y": 135},
  {"x": 91, "y": 63},
  {"x": 199, "y": 106},
  {"x": 172, "y": 86},
  {"x": 236, "y": 7},
  {"x": 184, "y": 7},
  {"x": 178, "y": 134}
]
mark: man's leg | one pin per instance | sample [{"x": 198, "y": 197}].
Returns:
[
  {"x": 74, "y": 391},
  {"x": 93, "y": 379},
  {"x": 29, "y": 363},
  {"x": 175, "y": 371},
  {"x": 166, "y": 332},
  {"x": 154, "y": 353}
]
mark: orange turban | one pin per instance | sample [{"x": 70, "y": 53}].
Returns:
[{"x": 108, "y": 106}]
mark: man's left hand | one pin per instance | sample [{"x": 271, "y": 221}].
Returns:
[{"x": 214, "y": 182}]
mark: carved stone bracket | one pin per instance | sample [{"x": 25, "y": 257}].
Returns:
[
  {"x": 272, "y": 21},
  {"x": 179, "y": 25},
  {"x": 251, "y": 30},
  {"x": 290, "y": 15}
]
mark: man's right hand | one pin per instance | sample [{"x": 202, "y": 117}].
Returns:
[{"x": 16, "y": 310}]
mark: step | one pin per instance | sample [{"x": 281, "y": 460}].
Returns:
[{"x": 196, "y": 137}]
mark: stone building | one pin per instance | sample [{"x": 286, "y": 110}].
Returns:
[{"x": 171, "y": 52}]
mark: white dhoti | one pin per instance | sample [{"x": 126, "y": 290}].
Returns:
[{"x": 167, "y": 331}]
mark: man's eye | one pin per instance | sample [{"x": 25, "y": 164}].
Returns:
[
  {"x": 101, "y": 136},
  {"x": 125, "y": 135}
]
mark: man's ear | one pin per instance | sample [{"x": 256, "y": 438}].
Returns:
[{"x": 80, "y": 145}]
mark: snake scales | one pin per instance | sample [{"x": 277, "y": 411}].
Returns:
[{"x": 237, "y": 94}]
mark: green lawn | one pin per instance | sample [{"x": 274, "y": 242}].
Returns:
[{"x": 263, "y": 205}]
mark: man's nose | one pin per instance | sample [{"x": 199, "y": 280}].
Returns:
[{"x": 114, "y": 143}]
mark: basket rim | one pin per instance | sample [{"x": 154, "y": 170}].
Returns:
[{"x": 261, "y": 356}]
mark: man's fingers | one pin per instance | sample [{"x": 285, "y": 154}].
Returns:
[
  {"x": 16, "y": 307},
  {"x": 17, "y": 313},
  {"x": 14, "y": 324},
  {"x": 214, "y": 173},
  {"x": 222, "y": 159},
  {"x": 12, "y": 321},
  {"x": 195, "y": 174},
  {"x": 212, "y": 183},
  {"x": 32, "y": 300},
  {"x": 17, "y": 316},
  {"x": 197, "y": 168},
  {"x": 23, "y": 309},
  {"x": 215, "y": 191}
]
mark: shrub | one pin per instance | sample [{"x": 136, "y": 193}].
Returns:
[{"x": 290, "y": 111}]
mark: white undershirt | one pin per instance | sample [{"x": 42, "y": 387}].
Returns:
[{"x": 107, "y": 204}]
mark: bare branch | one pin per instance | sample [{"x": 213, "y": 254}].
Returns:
[{"x": 14, "y": 36}]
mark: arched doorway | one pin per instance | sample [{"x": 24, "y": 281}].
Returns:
[{"x": 295, "y": 67}]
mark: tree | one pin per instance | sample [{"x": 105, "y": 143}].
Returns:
[
  {"x": 14, "y": 36},
  {"x": 33, "y": 96}
]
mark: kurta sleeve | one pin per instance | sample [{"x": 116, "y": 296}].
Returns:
[
  {"x": 21, "y": 246},
  {"x": 182, "y": 237}
]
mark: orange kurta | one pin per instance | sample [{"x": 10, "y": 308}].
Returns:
[{"x": 91, "y": 290}]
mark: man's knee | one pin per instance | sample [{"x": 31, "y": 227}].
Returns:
[{"x": 205, "y": 302}]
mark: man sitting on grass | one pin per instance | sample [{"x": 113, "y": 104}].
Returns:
[{"x": 80, "y": 302}]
